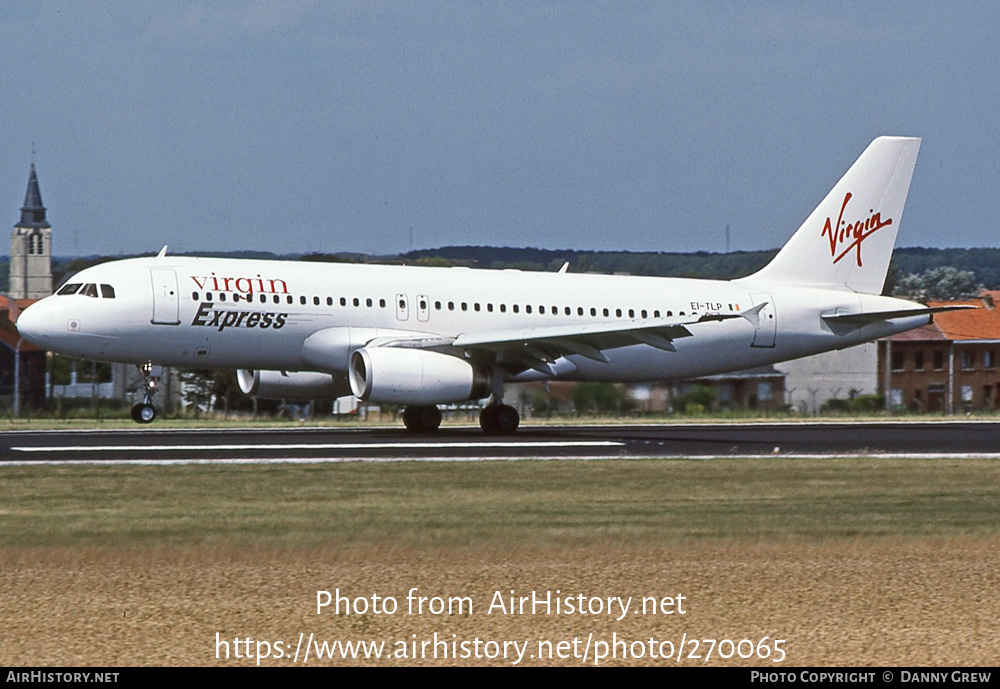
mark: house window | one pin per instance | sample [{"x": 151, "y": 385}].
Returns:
[
  {"x": 938, "y": 360},
  {"x": 765, "y": 392},
  {"x": 918, "y": 360},
  {"x": 988, "y": 360},
  {"x": 967, "y": 360},
  {"x": 897, "y": 361}
]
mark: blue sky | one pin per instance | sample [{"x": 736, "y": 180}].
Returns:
[{"x": 354, "y": 126}]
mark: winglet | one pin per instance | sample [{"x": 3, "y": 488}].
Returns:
[{"x": 163, "y": 252}]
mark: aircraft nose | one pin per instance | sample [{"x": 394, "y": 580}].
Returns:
[{"x": 34, "y": 324}]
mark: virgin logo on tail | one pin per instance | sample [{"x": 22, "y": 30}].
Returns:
[{"x": 844, "y": 237}]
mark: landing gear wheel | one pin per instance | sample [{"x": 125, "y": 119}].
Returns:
[
  {"x": 143, "y": 413},
  {"x": 422, "y": 418},
  {"x": 499, "y": 419}
]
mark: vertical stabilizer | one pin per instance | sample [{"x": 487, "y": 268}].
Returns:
[{"x": 846, "y": 243}]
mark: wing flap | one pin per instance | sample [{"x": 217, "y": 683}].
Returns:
[{"x": 539, "y": 348}]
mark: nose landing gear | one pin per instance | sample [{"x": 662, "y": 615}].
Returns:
[{"x": 145, "y": 412}]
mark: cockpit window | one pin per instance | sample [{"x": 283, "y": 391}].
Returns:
[
  {"x": 107, "y": 291},
  {"x": 90, "y": 290},
  {"x": 71, "y": 288}
]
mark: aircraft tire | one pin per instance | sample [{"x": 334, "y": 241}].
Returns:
[
  {"x": 143, "y": 413},
  {"x": 422, "y": 418},
  {"x": 499, "y": 419}
]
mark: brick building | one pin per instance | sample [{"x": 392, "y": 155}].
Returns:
[
  {"x": 949, "y": 366},
  {"x": 22, "y": 364}
]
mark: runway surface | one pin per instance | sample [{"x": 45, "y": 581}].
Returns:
[{"x": 549, "y": 442}]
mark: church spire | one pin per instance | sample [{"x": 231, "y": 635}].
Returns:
[{"x": 33, "y": 212}]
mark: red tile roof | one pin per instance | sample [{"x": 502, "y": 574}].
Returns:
[{"x": 981, "y": 323}]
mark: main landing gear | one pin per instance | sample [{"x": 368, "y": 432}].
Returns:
[
  {"x": 499, "y": 419},
  {"x": 495, "y": 419},
  {"x": 423, "y": 418},
  {"x": 145, "y": 412}
]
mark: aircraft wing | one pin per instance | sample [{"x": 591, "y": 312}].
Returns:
[{"x": 538, "y": 348}]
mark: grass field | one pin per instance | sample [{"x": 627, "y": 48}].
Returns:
[{"x": 854, "y": 561}]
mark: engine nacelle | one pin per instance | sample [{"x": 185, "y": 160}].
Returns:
[
  {"x": 292, "y": 385},
  {"x": 395, "y": 375}
]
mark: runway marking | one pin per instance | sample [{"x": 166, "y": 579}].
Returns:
[
  {"x": 322, "y": 446},
  {"x": 498, "y": 458}
]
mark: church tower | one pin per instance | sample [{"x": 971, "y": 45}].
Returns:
[{"x": 31, "y": 248}]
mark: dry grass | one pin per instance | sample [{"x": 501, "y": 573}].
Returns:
[
  {"x": 845, "y": 603},
  {"x": 853, "y": 561}
]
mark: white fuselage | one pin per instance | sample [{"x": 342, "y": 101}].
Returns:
[{"x": 253, "y": 314}]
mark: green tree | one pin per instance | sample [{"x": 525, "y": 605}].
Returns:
[{"x": 938, "y": 284}]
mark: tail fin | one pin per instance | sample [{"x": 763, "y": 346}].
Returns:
[{"x": 846, "y": 243}]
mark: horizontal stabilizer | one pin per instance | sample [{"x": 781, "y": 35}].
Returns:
[{"x": 876, "y": 316}]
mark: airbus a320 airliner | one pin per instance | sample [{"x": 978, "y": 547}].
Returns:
[{"x": 422, "y": 337}]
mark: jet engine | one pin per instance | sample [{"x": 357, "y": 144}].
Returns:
[
  {"x": 292, "y": 385},
  {"x": 393, "y": 375}
]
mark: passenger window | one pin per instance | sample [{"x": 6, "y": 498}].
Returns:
[
  {"x": 343, "y": 301},
  {"x": 263, "y": 298},
  {"x": 356, "y": 302},
  {"x": 222, "y": 296},
  {"x": 368, "y": 303},
  {"x": 527, "y": 309},
  {"x": 107, "y": 291},
  {"x": 503, "y": 308},
  {"x": 381, "y": 303},
  {"x": 194, "y": 296},
  {"x": 315, "y": 301}
]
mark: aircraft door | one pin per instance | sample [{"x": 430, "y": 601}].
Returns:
[
  {"x": 767, "y": 321},
  {"x": 402, "y": 307},
  {"x": 166, "y": 302},
  {"x": 423, "y": 308}
]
